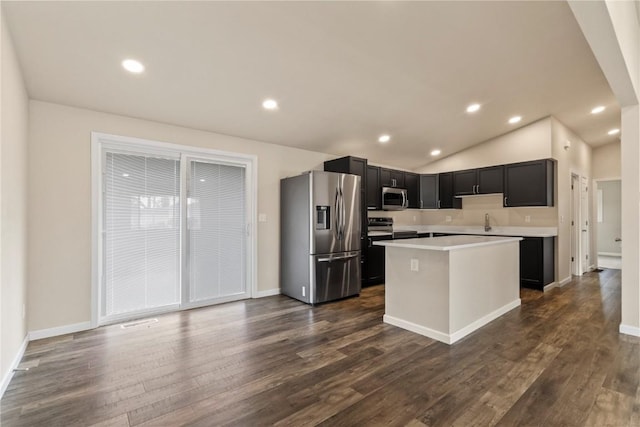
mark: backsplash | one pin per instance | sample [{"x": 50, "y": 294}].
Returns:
[{"x": 472, "y": 213}]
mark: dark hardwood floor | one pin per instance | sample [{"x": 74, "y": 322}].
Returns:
[{"x": 558, "y": 360}]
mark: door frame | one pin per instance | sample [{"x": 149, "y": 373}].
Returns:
[
  {"x": 99, "y": 141},
  {"x": 594, "y": 208}
]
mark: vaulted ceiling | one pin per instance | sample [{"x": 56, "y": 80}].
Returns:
[{"x": 343, "y": 73}]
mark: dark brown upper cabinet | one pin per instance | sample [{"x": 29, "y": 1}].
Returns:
[
  {"x": 391, "y": 178},
  {"x": 487, "y": 180},
  {"x": 529, "y": 183},
  {"x": 374, "y": 189},
  {"x": 412, "y": 184}
]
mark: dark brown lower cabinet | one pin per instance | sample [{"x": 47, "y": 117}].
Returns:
[
  {"x": 537, "y": 262},
  {"x": 375, "y": 263}
]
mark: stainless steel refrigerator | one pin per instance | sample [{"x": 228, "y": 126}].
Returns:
[{"x": 320, "y": 236}]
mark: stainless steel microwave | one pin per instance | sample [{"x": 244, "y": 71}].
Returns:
[{"x": 394, "y": 199}]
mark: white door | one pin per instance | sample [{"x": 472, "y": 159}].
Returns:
[
  {"x": 584, "y": 224},
  {"x": 216, "y": 232},
  {"x": 575, "y": 226}
]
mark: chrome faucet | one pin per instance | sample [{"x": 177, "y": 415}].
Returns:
[{"x": 487, "y": 227}]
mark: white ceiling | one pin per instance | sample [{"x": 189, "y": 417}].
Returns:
[{"x": 343, "y": 72}]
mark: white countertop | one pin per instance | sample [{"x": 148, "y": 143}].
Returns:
[
  {"x": 447, "y": 243},
  {"x": 479, "y": 230}
]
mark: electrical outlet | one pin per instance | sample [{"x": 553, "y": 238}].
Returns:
[
  {"x": 447, "y": 218},
  {"x": 415, "y": 218},
  {"x": 415, "y": 265},
  {"x": 561, "y": 219},
  {"x": 262, "y": 217},
  {"x": 527, "y": 218}
]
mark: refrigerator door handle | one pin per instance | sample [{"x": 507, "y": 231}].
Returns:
[
  {"x": 337, "y": 258},
  {"x": 342, "y": 214},
  {"x": 337, "y": 214}
]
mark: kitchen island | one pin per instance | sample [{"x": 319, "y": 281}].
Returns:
[{"x": 447, "y": 287}]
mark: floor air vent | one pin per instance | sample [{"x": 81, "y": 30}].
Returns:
[{"x": 138, "y": 323}]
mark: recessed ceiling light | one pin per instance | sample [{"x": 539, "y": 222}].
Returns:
[
  {"x": 598, "y": 109},
  {"x": 473, "y": 108},
  {"x": 133, "y": 66},
  {"x": 515, "y": 119},
  {"x": 270, "y": 104},
  {"x": 384, "y": 139},
  {"x": 435, "y": 152},
  {"x": 613, "y": 131},
  {"x": 125, "y": 175},
  {"x": 202, "y": 180}
]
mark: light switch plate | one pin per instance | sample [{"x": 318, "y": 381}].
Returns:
[
  {"x": 415, "y": 264},
  {"x": 262, "y": 217},
  {"x": 527, "y": 218},
  {"x": 448, "y": 218}
]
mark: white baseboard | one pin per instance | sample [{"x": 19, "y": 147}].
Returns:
[
  {"x": 459, "y": 334},
  {"x": 6, "y": 378},
  {"x": 550, "y": 286},
  {"x": 616, "y": 254},
  {"x": 565, "y": 281},
  {"x": 267, "y": 293},
  {"x": 418, "y": 329},
  {"x": 629, "y": 330},
  {"x": 59, "y": 330}
]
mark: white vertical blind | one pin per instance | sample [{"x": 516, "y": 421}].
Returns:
[
  {"x": 142, "y": 233},
  {"x": 216, "y": 231}
]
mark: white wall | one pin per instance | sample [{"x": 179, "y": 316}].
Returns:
[
  {"x": 526, "y": 143},
  {"x": 13, "y": 205},
  {"x": 607, "y": 161},
  {"x": 60, "y": 202},
  {"x": 576, "y": 159},
  {"x": 613, "y": 32}
]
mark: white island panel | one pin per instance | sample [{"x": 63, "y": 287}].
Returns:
[
  {"x": 416, "y": 300},
  {"x": 459, "y": 286},
  {"x": 484, "y": 283}
]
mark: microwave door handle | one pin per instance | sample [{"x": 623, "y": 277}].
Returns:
[{"x": 404, "y": 200}]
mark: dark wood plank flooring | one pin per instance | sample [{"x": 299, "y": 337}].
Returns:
[{"x": 556, "y": 361}]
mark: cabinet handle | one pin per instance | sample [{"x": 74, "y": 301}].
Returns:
[
  {"x": 438, "y": 204},
  {"x": 478, "y": 189},
  {"x": 421, "y": 204},
  {"x": 505, "y": 200}
]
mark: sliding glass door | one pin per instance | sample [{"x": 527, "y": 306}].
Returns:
[
  {"x": 160, "y": 253},
  {"x": 216, "y": 224},
  {"x": 141, "y": 234}
]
